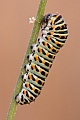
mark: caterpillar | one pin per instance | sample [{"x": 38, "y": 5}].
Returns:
[{"x": 54, "y": 33}]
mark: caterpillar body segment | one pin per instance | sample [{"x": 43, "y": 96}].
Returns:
[
  {"x": 34, "y": 68},
  {"x": 38, "y": 49},
  {"x": 35, "y": 58}
]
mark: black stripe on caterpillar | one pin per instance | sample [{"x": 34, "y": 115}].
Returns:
[{"x": 54, "y": 33}]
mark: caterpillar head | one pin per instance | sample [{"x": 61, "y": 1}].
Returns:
[{"x": 45, "y": 20}]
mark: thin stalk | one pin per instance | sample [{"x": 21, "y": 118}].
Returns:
[{"x": 35, "y": 31}]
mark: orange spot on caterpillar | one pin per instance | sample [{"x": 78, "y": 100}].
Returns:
[
  {"x": 40, "y": 50},
  {"x": 53, "y": 27},
  {"x": 60, "y": 27},
  {"x": 24, "y": 92},
  {"x": 30, "y": 76},
  {"x": 56, "y": 42},
  {"x": 57, "y": 51},
  {"x": 45, "y": 43},
  {"x": 40, "y": 70},
  {"x": 33, "y": 66},
  {"x": 48, "y": 38},
  {"x": 52, "y": 21},
  {"x": 27, "y": 85},
  {"x": 39, "y": 91},
  {"x": 52, "y": 33},
  {"x": 43, "y": 83},
  {"x": 43, "y": 62},
  {"x": 65, "y": 37},
  {"x": 37, "y": 80},
  {"x": 51, "y": 48},
  {"x": 53, "y": 57},
  {"x": 37, "y": 58},
  {"x": 47, "y": 54},
  {"x": 33, "y": 89}
]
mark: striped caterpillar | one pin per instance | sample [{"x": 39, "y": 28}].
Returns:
[{"x": 54, "y": 33}]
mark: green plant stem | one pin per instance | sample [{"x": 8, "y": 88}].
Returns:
[{"x": 35, "y": 31}]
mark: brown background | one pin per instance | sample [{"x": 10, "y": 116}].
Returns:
[{"x": 60, "y": 97}]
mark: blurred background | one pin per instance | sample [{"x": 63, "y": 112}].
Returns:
[{"x": 60, "y": 97}]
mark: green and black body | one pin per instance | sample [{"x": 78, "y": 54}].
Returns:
[{"x": 54, "y": 33}]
